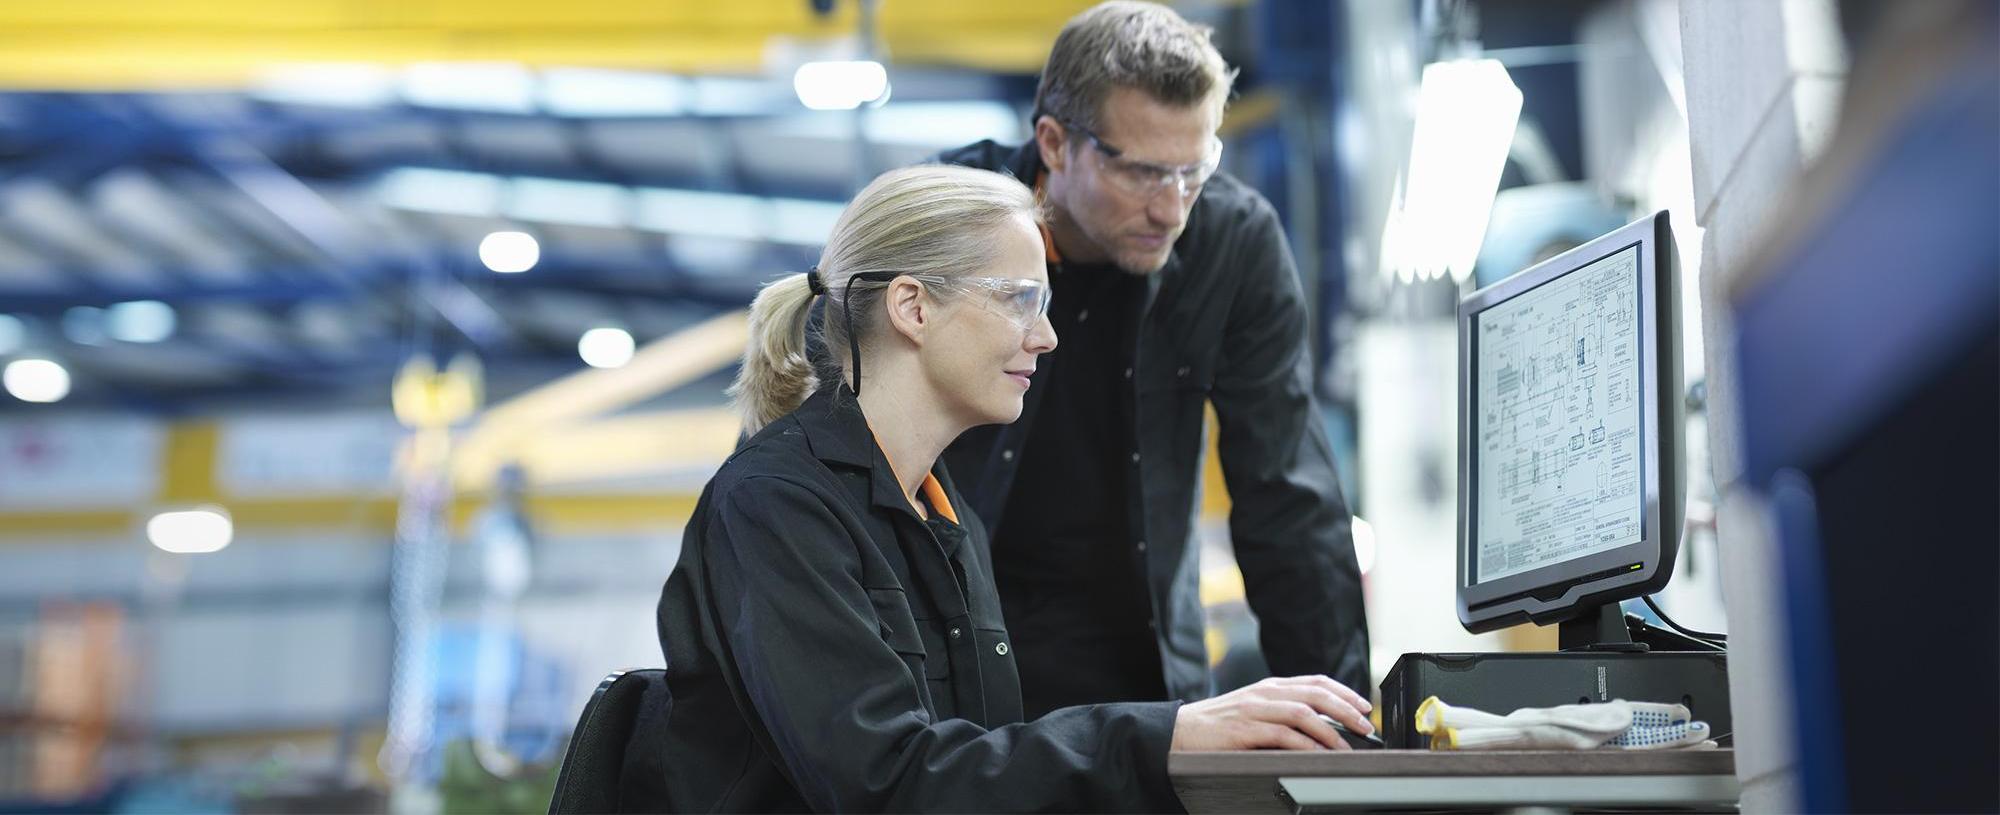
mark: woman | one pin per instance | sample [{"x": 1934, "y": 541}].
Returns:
[{"x": 833, "y": 637}]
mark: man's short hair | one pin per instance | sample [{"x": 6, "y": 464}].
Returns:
[{"x": 1127, "y": 44}]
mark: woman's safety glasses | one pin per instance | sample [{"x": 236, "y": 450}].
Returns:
[{"x": 1023, "y": 301}]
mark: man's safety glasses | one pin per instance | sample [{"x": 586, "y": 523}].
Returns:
[{"x": 1146, "y": 179}]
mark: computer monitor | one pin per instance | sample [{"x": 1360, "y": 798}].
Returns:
[{"x": 1570, "y": 493}]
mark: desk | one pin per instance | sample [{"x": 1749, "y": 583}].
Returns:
[{"x": 1362, "y": 780}]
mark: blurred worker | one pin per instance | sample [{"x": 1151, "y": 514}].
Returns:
[
  {"x": 833, "y": 637},
  {"x": 1173, "y": 286}
]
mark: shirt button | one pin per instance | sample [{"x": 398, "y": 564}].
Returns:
[
  {"x": 1182, "y": 372},
  {"x": 1135, "y": 458},
  {"x": 1083, "y": 316},
  {"x": 954, "y": 633},
  {"x": 1142, "y": 546},
  {"x": 1000, "y": 649},
  {"x": 1154, "y": 625},
  {"x": 1007, "y": 455},
  {"x": 1128, "y": 373}
]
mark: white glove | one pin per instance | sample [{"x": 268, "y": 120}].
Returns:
[{"x": 1618, "y": 723}]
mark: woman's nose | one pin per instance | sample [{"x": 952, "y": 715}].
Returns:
[{"x": 1041, "y": 337}]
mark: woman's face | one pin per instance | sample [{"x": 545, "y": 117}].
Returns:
[{"x": 991, "y": 335}]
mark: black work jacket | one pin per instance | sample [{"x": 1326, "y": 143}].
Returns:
[
  {"x": 1224, "y": 322},
  {"x": 829, "y": 650}
]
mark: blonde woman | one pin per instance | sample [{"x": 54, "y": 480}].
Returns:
[{"x": 832, "y": 634}]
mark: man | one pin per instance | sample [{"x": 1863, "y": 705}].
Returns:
[{"x": 1173, "y": 286}]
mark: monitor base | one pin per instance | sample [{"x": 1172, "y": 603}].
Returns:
[{"x": 1600, "y": 629}]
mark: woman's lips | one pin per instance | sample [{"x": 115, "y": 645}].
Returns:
[{"x": 1022, "y": 378}]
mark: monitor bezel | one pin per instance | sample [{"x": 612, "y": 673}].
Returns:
[{"x": 1590, "y": 579}]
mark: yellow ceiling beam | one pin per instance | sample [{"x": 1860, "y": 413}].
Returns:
[
  {"x": 633, "y": 445},
  {"x": 135, "y": 44},
  {"x": 503, "y": 433},
  {"x": 374, "y": 516}
]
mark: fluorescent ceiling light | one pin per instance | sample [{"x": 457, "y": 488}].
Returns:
[
  {"x": 328, "y": 84},
  {"x": 1466, "y": 114},
  {"x": 191, "y": 532},
  {"x": 801, "y": 222},
  {"x": 605, "y": 347},
  {"x": 923, "y": 124},
  {"x": 734, "y": 96},
  {"x": 842, "y": 85},
  {"x": 582, "y": 203},
  {"x": 13, "y": 334},
  {"x": 36, "y": 380},
  {"x": 714, "y": 214},
  {"x": 583, "y": 92},
  {"x": 140, "y": 321},
  {"x": 510, "y": 252},
  {"x": 445, "y": 191},
  {"x": 501, "y": 87}
]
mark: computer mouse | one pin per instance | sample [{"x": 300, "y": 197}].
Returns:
[{"x": 1355, "y": 740}]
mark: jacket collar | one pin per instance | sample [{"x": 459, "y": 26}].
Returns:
[
  {"x": 834, "y": 428},
  {"x": 838, "y": 434}
]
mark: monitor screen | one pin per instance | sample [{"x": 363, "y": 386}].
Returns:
[
  {"x": 1569, "y": 433},
  {"x": 1558, "y": 420}
]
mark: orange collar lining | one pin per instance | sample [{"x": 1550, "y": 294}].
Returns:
[
  {"x": 932, "y": 490},
  {"x": 934, "y": 493}
]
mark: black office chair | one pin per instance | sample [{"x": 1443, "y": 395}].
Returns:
[{"x": 592, "y": 778}]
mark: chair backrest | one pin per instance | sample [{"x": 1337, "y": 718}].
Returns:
[{"x": 590, "y": 781}]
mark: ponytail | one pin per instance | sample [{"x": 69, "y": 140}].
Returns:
[{"x": 776, "y": 376}]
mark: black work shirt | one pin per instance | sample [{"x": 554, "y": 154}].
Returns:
[
  {"x": 827, "y": 649},
  {"x": 1070, "y": 578},
  {"x": 1225, "y": 323}
]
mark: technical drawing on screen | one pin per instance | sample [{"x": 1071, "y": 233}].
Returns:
[{"x": 1559, "y": 420}]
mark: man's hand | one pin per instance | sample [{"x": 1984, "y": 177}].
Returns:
[{"x": 1278, "y": 713}]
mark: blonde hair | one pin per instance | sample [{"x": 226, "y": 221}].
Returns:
[{"x": 929, "y": 220}]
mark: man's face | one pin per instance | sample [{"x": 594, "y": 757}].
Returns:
[{"x": 1130, "y": 208}]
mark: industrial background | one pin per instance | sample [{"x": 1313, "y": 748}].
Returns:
[{"x": 315, "y": 315}]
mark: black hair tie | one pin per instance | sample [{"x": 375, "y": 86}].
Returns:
[{"x": 814, "y": 283}]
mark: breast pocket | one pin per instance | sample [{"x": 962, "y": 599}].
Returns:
[
  {"x": 904, "y": 636},
  {"x": 937, "y": 669}
]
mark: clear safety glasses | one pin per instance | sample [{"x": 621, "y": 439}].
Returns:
[
  {"x": 1146, "y": 179},
  {"x": 1023, "y": 301}
]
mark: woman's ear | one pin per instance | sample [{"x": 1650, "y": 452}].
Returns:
[{"x": 910, "y": 313}]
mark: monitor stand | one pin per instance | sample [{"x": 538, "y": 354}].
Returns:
[
  {"x": 1600, "y": 629},
  {"x": 1607, "y": 628}
]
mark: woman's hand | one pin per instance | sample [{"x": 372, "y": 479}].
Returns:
[{"x": 1277, "y": 713}]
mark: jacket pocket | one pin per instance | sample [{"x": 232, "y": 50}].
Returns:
[
  {"x": 900, "y": 631},
  {"x": 937, "y": 669},
  {"x": 898, "y": 626}
]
